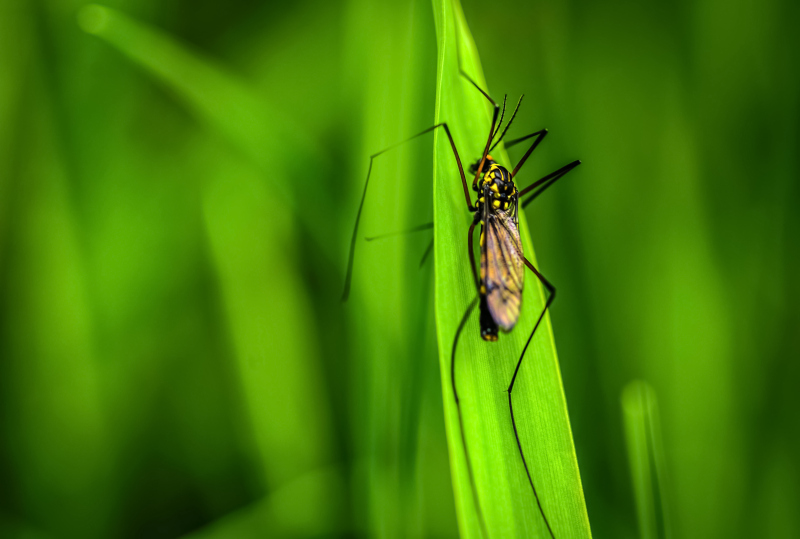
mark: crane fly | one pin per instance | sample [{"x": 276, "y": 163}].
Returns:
[{"x": 499, "y": 283}]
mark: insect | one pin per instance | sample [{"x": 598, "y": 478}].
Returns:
[{"x": 499, "y": 283}]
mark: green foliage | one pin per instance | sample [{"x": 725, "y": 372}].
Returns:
[
  {"x": 178, "y": 183},
  {"x": 646, "y": 459}
]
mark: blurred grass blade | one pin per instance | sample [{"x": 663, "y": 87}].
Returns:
[
  {"x": 287, "y": 512},
  {"x": 645, "y": 456},
  {"x": 484, "y": 369},
  {"x": 216, "y": 96},
  {"x": 220, "y": 100},
  {"x": 57, "y": 404},
  {"x": 253, "y": 246},
  {"x": 635, "y": 398}
]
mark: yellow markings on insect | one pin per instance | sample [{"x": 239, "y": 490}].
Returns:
[
  {"x": 495, "y": 188},
  {"x": 496, "y": 203}
]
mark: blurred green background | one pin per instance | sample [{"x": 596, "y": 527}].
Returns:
[{"x": 177, "y": 193}]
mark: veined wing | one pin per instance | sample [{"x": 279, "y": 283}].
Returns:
[{"x": 502, "y": 268}]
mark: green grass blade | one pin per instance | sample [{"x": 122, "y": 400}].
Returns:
[
  {"x": 646, "y": 459},
  {"x": 311, "y": 505},
  {"x": 216, "y": 96},
  {"x": 248, "y": 240},
  {"x": 48, "y": 349},
  {"x": 254, "y": 247},
  {"x": 635, "y": 411},
  {"x": 223, "y": 102},
  {"x": 485, "y": 369}
]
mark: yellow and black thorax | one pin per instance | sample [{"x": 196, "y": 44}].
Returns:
[{"x": 496, "y": 189}]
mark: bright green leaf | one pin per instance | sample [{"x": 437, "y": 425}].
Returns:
[{"x": 485, "y": 369}]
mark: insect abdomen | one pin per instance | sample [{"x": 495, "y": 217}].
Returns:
[{"x": 488, "y": 325}]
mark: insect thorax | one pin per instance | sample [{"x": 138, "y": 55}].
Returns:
[{"x": 498, "y": 185}]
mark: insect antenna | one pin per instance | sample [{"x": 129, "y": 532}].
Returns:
[
  {"x": 502, "y": 115},
  {"x": 514, "y": 115}
]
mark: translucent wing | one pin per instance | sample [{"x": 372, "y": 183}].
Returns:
[{"x": 502, "y": 268}]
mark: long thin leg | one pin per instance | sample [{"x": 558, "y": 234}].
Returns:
[
  {"x": 475, "y": 84},
  {"x": 453, "y": 370},
  {"x": 418, "y": 228},
  {"x": 349, "y": 272},
  {"x": 539, "y": 138},
  {"x": 475, "y": 499},
  {"x": 427, "y": 253},
  {"x": 472, "y": 253},
  {"x": 546, "y": 182},
  {"x": 516, "y": 141},
  {"x": 491, "y": 129},
  {"x": 550, "y": 299}
]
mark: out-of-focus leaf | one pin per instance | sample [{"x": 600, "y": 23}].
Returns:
[
  {"x": 646, "y": 459},
  {"x": 309, "y": 506},
  {"x": 266, "y": 134},
  {"x": 250, "y": 229}
]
